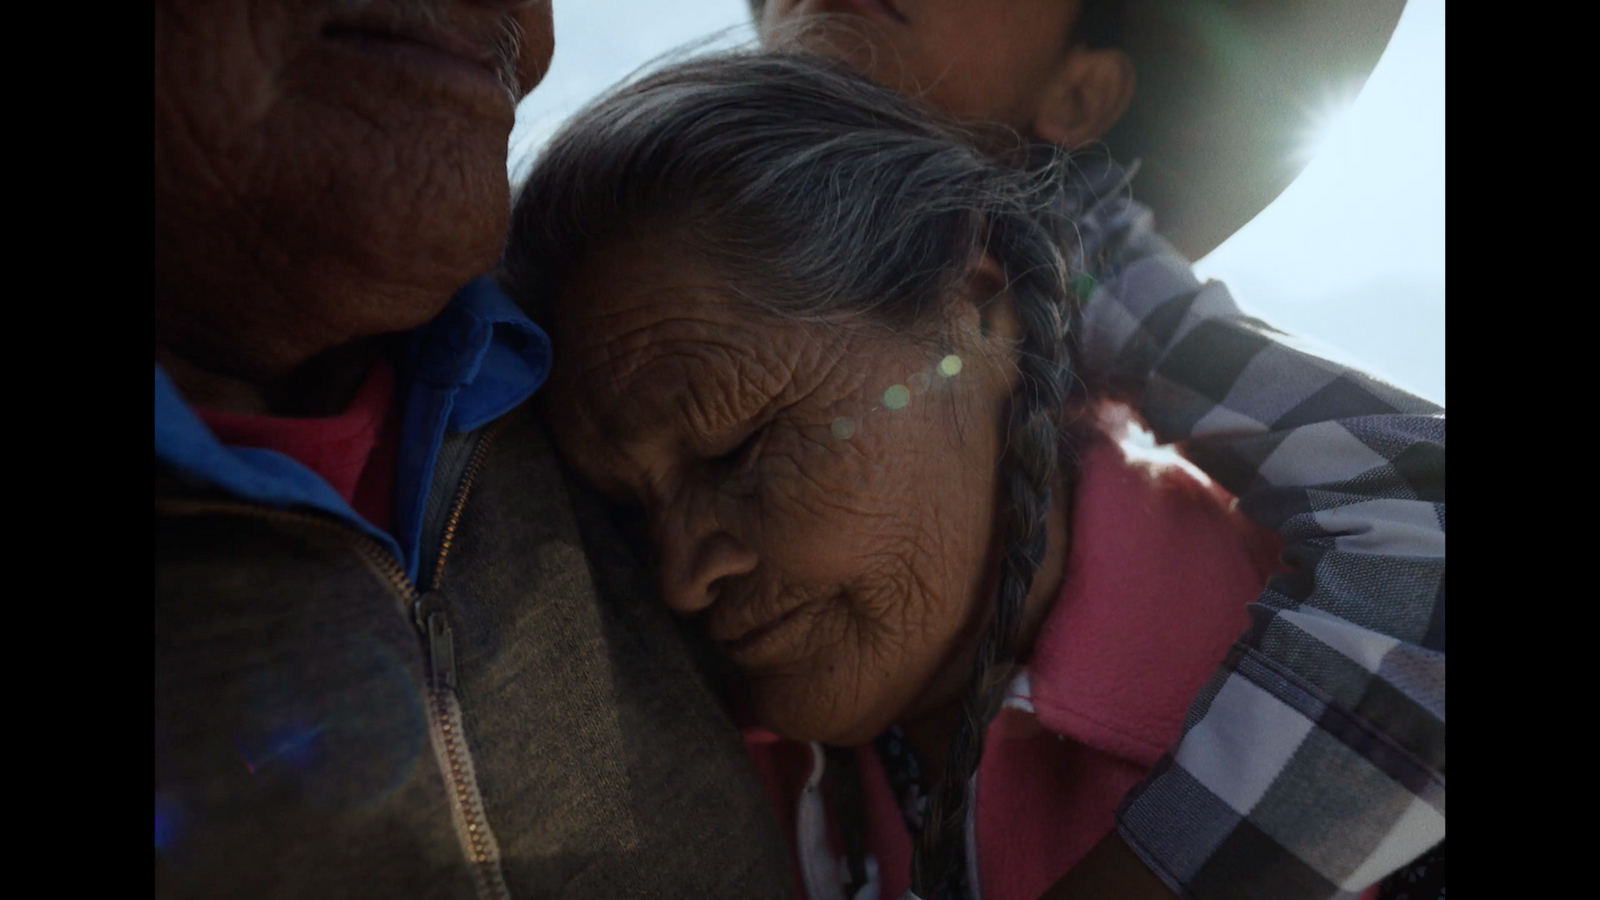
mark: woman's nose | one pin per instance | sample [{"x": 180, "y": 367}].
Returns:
[{"x": 697, "y": 554}]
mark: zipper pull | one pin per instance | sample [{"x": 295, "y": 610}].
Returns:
[{"x": 429, "y": 614}]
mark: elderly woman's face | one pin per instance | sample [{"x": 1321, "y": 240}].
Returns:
[
  {"x": 316, "y": 152},
  {"x": 823, "y": 496}
]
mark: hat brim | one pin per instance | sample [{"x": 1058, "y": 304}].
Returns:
[{"x": 1226, "y": 93}]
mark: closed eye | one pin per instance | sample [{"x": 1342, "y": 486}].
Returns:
[{"x": 742, "y": 455}]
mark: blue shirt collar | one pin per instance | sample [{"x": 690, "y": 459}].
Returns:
[
  {"x": 484, "y": 347},
  {"x": 474, "y": 362}
]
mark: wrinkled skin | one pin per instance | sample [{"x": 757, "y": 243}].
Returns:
[
  {"x": 318, "y": 184},
  {"x": 840, "y": 551}
]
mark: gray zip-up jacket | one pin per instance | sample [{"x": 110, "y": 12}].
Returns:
[{"x": 520, "y": 721}]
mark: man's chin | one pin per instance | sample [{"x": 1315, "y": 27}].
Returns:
[{"x": 398, "y": 243}]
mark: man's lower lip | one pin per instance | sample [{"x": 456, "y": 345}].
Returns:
[{"x": 418, "y": 58}]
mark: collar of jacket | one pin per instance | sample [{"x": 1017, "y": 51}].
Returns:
[{"x": 473, "y": 363}]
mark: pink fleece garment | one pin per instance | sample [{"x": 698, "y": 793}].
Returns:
[{"x": 1159, "y": 573}]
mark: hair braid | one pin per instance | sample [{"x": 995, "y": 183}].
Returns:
[{"x": 1031, "y": 464}]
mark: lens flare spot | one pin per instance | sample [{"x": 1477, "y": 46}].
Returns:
[
  {"x": 249, "y": 764},
  {"x": 950, "y": 365},
  {"x": 1324, "y": 125},
  {"x": 919, "y": 382},
  {"x": 844, "y": 428},
  {"x": 169, "y": 818},
  {"x": 897, "y": 396}
]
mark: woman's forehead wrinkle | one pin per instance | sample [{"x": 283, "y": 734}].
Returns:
[
  {"x": 730, "y": 378},
  {"x": 620, "y": 382}
]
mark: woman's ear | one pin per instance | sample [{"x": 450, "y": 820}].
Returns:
[
  {"x": 990, "y": 293},
  {"x": 1089, "y": 92},
  {"x": 984, "y": 322}
]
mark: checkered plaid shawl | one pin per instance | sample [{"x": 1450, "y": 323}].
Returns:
[{"x": 1312, "y": 764}]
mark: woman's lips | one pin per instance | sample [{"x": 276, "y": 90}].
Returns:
[{"x": 761, "y": 643}]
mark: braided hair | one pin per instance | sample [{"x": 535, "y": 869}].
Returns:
[
  {"x": 1030, "y": 467},
  {"x": 826, "y": 197}
]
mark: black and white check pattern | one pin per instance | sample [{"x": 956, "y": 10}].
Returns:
[{"x": 1312, "y": 764}]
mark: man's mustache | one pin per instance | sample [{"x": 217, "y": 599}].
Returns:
[{"x": 502, "y": 40}]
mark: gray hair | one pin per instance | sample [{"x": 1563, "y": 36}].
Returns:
[{"x": 826, "y": 197}]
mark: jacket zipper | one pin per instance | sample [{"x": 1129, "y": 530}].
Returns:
[{"x": 433, "y": 621}]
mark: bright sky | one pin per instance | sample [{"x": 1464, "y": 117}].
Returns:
[{"x": 1350, "y": 257}]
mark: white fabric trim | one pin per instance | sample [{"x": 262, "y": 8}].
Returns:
[
  {"x": 1020, "y": 694},
  {"x": 823, "y": 874},
  {"x": 819, "y": 871}
]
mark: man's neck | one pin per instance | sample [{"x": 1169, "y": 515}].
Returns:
[{"x": 322, "y": 386}]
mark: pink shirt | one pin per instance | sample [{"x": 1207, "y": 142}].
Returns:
[
  {"x": 1159, "y": 573},
  {"x": 353, "y": 451}
]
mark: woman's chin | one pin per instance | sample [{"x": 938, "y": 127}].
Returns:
[{"x": 811, "y": 717}]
